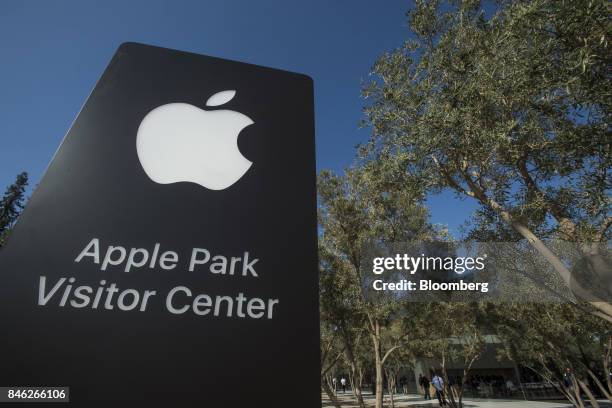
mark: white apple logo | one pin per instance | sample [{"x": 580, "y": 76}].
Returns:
[{"x": 181, "y": 142}]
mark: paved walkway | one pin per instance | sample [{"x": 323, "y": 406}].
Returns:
[{"x": 415, "y": 401}]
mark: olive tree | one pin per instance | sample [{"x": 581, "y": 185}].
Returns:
[
  {"x": 354, "y": 210},
  {"x": 508, "y": 105}
]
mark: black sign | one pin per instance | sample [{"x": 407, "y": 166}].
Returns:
[{"x": 168, "y": 256}]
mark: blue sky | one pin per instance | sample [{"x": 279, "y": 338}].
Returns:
[{"x": 52, "y": 53}]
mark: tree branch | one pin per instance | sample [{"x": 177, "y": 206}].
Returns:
[
  {"x": 603, "y": 228},
  {"x": 388, "y": 353},
  {"x": 449, "y": 179},
  {"x": 567, "y": 226}
]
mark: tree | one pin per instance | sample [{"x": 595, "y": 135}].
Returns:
[
  {"x": 11, "y": 205},
  {"x": 448, "y": 332},
  {"x": 510, "y": 108},
  {"x": 397, "y": 361},
  {"x": 340, "y": 315},
  {"x": 331, "y": 351},
  {"x": 550, "y": 340},
  {"x": 354, "y": 211}
]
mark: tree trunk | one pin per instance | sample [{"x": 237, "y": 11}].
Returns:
[
  {"x": 606, "y": 363},
  {"x": 568, "y": 393},
  {"x": 588, "y": 392},
  {"x": 355, "y": 372},
  {"x": 391, "y": 387},
  {"x": 378, "y": 364},
  {"x": 570, "y": 396},
  {"x": 330, "y": 394},
  {"x": 576, "y": 391},
  {"x": 603, "y": 389},
  {"x": 466, "y": 370},
  {"x": 448, "y": 392},
  {"x": 602, "y": 310}
]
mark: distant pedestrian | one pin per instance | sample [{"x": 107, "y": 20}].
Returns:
[
  {"x": 343, "y": 384},
  {"x": 568, "y": 381},
  {"x": 404, "y": 385},
  {"x": 424, "y": 383},
  {"x": 438, "y": 384},
  {"x": 510, "y": 386}
]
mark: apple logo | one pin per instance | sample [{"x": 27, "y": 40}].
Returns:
[{"x": 181, "y": 142}]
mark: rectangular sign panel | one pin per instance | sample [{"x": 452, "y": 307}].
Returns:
[{"x": 168, "y": 256}]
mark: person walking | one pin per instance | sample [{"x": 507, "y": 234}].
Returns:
[
  {"x": 420, "y": 382},
  {"x": 510, "y": 387},
  {"x": 567, "y": 379},
  {"x": 404, "y": 384},
  {"x": 343, "y": 384},
  {"x": 438, "y": 384},
  {"x": 424, "y": 383}
]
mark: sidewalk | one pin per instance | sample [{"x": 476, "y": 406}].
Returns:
[{"x": 416, "y": 401}]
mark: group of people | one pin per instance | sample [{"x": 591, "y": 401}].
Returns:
[
  {"x": 490, "y": 385},
  {"x": 342, "y": 384},
  {"x": 474, "y": 385},
  {"x": 437, "y": 383}
]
